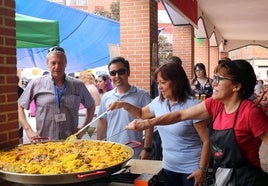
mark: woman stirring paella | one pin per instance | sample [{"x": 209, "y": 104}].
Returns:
[{"x": 238, "y": 129}]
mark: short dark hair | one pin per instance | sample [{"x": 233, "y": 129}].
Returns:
[{"x": 121, "y": 60}]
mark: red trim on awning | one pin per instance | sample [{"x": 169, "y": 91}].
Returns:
[{"x": 187, "y": 7}]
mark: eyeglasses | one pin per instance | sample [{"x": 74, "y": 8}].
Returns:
[
  {"x": 121, "y": 71},
  {"x": 56, "y": 49},
  {"x": 217, "y": 79}
]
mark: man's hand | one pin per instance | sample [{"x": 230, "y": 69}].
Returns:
[
  {"x": 82, "y": 133},
  {"x": 116, "y": 105},
  {"x": 32, "y": 135}
]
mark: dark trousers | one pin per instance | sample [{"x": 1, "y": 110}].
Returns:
[
  {"x": 176, "y": 179},
  {"x": 156, "y": 146}
]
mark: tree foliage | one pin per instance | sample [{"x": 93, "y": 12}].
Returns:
[
  {"x": 164, "y": 49},
  {"x": 103, "y": 13},
  {"x": 114, "y": 12}
]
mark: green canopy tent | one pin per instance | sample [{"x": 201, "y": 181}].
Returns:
[{"x": 33, "y": 32}]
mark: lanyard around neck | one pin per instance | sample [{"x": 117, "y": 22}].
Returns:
[{"x": 58, "y": 94}]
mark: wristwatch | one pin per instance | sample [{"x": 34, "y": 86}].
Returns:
[{"x": 148, "y": 149}]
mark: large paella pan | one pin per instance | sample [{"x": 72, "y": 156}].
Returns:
[{"x": 62, "y": 162}]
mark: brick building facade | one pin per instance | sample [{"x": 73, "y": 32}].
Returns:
[{"x": 8, "y": 79}]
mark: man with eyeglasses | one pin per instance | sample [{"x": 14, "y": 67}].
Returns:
[
  {"x": 57, "y": 98},
  {"x": 111, "y": 127}
]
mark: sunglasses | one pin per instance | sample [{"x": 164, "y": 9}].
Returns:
[
  {"x": 56, "y": 49},
  {"x": 121, "y": 71}
]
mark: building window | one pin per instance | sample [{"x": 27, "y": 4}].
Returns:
[{"x": 99, "y": 8}]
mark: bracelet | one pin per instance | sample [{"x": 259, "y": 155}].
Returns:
[{"x": 147, "y": 149}]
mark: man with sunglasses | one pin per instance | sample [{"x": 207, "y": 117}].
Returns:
[
  {"x": 57, "y": 98},
  {"x": 111, "y": 127}
]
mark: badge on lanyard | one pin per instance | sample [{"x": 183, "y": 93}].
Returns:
[
  {"x": 58, "y": 94},
  {"x": 60, "y": 117}
]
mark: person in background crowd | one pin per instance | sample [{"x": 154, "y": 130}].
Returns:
[
  {"x": 186, "y": 147},
  {"x": 89, "y": 81},
  {"x": 112, "y": 125},
  {"x": 259, "y": 87},
  {"x": 259, "y": 93},
  {"x": 20, "y": 91},
  {"x": 224, "y": 59},
  {"x": 94, "y": 78},
  {"x": 175, "y": 59},
  {"x": 104, "y": 84},
  {"x": 201, "y": 83},
  {"x": 57, "y": 98},
  {"x": 261, "y": 99},
  {"x": 264, "y": 100},
  {"x": 238, "y": 129},
  {"x": 32, "y": 109}
]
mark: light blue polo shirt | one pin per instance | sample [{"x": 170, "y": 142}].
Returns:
[
  {"x": 180, "y": 142},
  {"x": 118, "y": 119}
]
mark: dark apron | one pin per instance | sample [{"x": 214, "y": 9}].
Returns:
[{"x": 226, "y": 154}]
